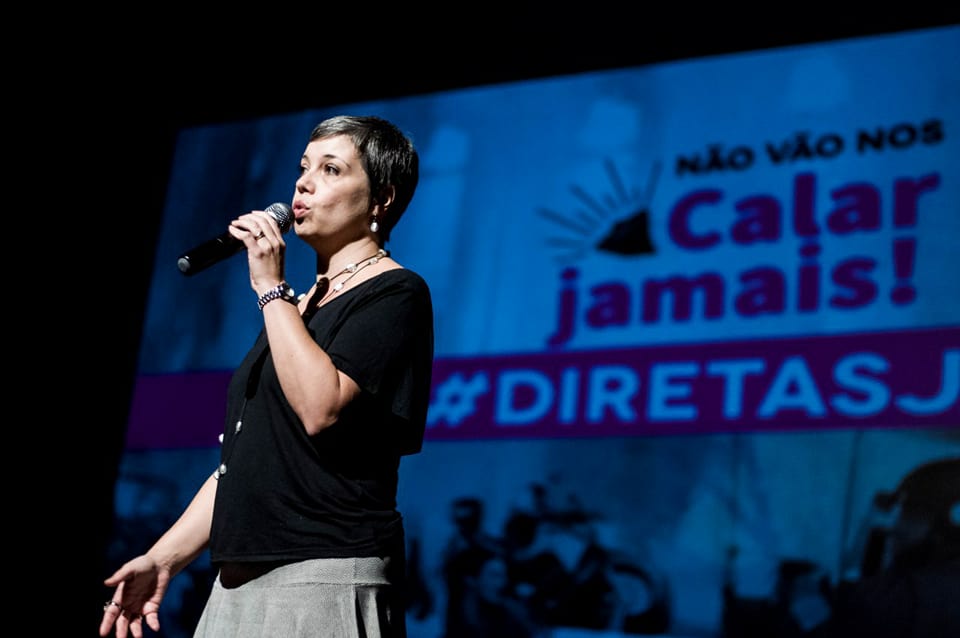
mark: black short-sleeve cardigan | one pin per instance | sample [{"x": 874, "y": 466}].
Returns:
[{"x": 283, "y": 495}]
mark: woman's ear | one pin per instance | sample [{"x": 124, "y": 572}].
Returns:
[{"x": 385, "y": 199}]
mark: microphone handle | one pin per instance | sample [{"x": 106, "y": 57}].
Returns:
[
  {"x": 209, "y": 253},
  {"x": 226, "y": 245}
]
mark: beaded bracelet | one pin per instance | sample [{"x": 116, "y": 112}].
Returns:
[{"x": 280, "y": 291}]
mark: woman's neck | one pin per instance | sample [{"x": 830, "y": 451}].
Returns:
[
  {"x": 351, "y": 254},
  {"x": 329, "y": 284}
]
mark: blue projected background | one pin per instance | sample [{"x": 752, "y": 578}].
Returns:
[{"x": 694, "y": 318}]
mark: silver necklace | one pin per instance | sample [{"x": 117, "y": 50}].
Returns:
[{"x": 323, "y": 289}]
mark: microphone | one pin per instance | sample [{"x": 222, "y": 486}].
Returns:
[{"x": 226, "y": 245}]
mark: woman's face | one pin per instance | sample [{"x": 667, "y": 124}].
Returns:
[{"x": 332, "y": 195}]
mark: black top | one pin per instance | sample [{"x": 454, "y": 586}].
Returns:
[{"x": 285, "y": 495}]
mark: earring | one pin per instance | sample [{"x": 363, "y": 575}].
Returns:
[{"x": 374, "y": 225}]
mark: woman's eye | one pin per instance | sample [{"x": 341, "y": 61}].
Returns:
[{"x": 331, "y": 169}]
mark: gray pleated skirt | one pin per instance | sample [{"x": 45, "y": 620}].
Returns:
[{"x": 324, "y": 598}]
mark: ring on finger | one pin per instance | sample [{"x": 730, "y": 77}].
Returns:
[
  {"x": 112, "y": 603},
  {"x": 259, "y": 235}
]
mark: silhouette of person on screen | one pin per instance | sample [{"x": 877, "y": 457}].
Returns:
[
  {"x": 911, "y": 585},
  {"x": 300, "y": 518},
  {"x": 462, "y": 559}
]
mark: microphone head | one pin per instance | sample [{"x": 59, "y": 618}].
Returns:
[{"x": 282, "y": 214}]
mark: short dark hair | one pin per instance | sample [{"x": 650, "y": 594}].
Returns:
[{"x": 389, "y": 157}]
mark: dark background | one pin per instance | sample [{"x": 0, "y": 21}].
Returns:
[{"x": 131, "y": 89}]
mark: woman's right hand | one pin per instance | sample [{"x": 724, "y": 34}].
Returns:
[{"x": 140, "y": 585}]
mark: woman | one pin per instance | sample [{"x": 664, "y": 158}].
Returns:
[{"x": 300, "y": 517}]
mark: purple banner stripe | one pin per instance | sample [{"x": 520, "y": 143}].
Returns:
[
  {"x": 178, "y": 410},
  {"x": 890, "y": 379}
]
